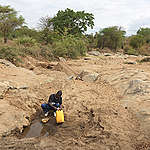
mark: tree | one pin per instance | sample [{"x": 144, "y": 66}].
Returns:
[
  {"x": 72, "y": 22},
  {"x": 136, "y": 41},
  {"x": 145, "y": 32},
  {"x": 111, "y": 37},
  {"x": 24, "y": 31},
  {"x": 9, "y": 21},
  {"x": 47, "y": 33}
]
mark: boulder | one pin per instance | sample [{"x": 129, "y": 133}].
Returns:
[
  {"x": 95, "y": 53},
  {"x": 130, "y": 62},
  {"x": 137, "y": 87},
  {"x": 87, "y": 76},
  {"x": 6, "y": 63}
]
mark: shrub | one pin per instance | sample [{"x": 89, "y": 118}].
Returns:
[
  {"x": 11, "y": 54},
  {"x": 130, "y": 51},
  {"x": 32, "y": 51},
  {"x": 70, "y": 46},
  {"x": 136, "y": 41},
  {"x": 38, "y": 52},
  {"x": 46, "y": 52},
  {"x": 26, "y": 41}
]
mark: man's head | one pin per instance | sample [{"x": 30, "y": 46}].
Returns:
[{"x": 58, "y": 94}]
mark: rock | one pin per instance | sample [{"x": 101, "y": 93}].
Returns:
[
  {"x": 62, "y": 59},
  {"x": 71, "y": 77},
  {"x": 87, "y": 58},
  {"x": 90, "y": 77},
  {"x": 87, "y": 76},
  {"x": 130, "y": 62},
  {"x": 136, "y": 87},
  {"x": 6, "y": 63},
  {"x": 95, "y": 53},
  {"x": 107, "y": 54}
]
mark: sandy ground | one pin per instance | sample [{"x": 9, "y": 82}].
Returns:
[{"x": 94, "y": 116}]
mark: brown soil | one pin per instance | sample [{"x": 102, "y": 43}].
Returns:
[{"x": 94, "y": 116}]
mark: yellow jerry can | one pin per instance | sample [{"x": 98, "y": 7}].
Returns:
[{"x": 59, "y": 116}]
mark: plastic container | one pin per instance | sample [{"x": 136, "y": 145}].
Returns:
[{"x": 59, "y": 116}]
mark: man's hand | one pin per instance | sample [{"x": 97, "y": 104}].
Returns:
[{"x": 61, "y": 107}]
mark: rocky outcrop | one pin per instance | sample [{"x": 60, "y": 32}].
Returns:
[
  {"x": 134, "y": 86},
  {"x": 138, "y": 87},
  {"x": 87, "y": 76}
]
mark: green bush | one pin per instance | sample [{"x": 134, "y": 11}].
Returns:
[
  {"x": 32, "y": 51},
  {"x": 26, "y": 41},
  {"x": 38, "y": 52},
  {"x": 14, "y": 54},
  {"x": 136, "y": 41},
  {"x": 70, "y": 46},
  {"x": 46, "y": 52},
  {"x": 130, "y": 51},
  {"x": 11, "y": 54}
]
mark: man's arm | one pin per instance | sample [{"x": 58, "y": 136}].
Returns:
[
  {"x": 53, "y": 106},
  {"x": 61, "y": 103},
  {"x": 50, "y": 102}
]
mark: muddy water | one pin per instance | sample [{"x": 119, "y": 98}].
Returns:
[{"x": 37, "y": 128}]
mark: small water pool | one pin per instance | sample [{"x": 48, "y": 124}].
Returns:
[{"x": 37, "y": 128}]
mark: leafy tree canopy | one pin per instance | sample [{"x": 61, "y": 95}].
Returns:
[
  {"x": 145, "y": 32},
  {"x": 24, "y": 31},
  {"x": 111, "y": 37},
  {"x": 72, "y": 22},
  {"x": 9, "y": 21},
  {"x": 136, "y": 41},
  {"x": 47, "y": 33}
]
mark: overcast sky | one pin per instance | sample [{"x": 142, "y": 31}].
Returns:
[{"x": 129, "y": 14}]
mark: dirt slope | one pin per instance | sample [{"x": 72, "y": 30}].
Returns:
[{"x": 95, "y": 118}]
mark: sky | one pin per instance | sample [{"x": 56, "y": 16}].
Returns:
[{"x": 128, "y": 14}]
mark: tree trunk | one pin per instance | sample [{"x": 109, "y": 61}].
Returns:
[
  {"x": 5, "y": 37},
  {"x": 103, "y": 44}
]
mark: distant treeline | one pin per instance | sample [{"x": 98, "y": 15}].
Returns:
[{"x": 65, "y": 35}]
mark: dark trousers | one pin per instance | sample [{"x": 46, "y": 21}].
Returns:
[{"x": 46, "y": 108}]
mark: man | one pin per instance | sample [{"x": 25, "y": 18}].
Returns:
[{"x": 54, "y": 103}]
